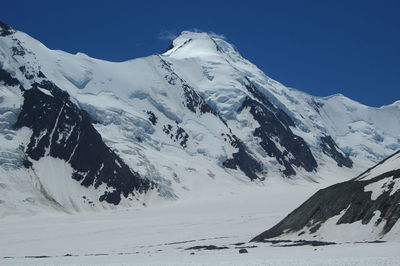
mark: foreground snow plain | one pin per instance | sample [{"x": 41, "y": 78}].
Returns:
[{"x": 161, "y": 234}]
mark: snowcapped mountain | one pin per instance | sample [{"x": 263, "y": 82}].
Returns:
[
  {"x": 79, "y": 133},
  {"x": 366, "y": 208}
]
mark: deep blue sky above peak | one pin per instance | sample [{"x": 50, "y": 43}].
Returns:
[{"x": 320, "y": 47}]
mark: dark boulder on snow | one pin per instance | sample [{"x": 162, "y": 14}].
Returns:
[{"x": 243, "y": 251}]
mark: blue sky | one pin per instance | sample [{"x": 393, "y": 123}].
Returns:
[{"x": 321, "y": 47}]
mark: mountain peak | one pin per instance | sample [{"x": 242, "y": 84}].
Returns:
[
  {"x": 192, "y": 44},
  {"x": 198, "y": 44},
  {"x": 219, "y": 114}
]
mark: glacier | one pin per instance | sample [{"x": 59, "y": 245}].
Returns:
[{"x": 196, "y": 116}]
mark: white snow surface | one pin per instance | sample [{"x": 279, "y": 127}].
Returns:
[
  {"x": 159, "y": 235},
  {"x": 390, "y": 164},
  {"x": 119, "y": 96}
]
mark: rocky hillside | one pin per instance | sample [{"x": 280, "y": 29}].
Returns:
[{"x": 366, "y": 208}]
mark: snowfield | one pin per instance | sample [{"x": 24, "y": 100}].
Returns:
[{"x": 160, "y": 234}]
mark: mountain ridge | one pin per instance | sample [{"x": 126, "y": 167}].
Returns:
[{"x": 196, "y": 116}]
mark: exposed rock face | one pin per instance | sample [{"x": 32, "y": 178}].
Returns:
[
  {"x": 177, "y": 134},
  {"x": 242, "y": 159},
  {"x": 61, "y": 130},
  {"x": 373, "y": 202},
  {"x": 330, "y": 148},
  {"x": 275, "y": 130},
  {"x": 5, "y": 29},
  {"x": 7, "y": 79}
]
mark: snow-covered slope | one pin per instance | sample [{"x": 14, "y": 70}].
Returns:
[
  {"x": 366, "y": 208},
  {"x": 222, "y": 76},
  {"x": 83, "y": 133}
]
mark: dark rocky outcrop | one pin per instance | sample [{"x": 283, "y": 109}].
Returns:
[
  {"x": 330, "y": 148},
  {"x": 275, "y": 128},
  {"x": 177, "y": 134},
  {"x": 152, "y": 117},
  {"x": 349, "y": 197},
  {"x": 206, "y": 247},
  {"x": 5, "y": 29},
  {"x": 62, "y": 130},
  {"x": 6, "y": 78},
  {"x": 242, "y": 159}
]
